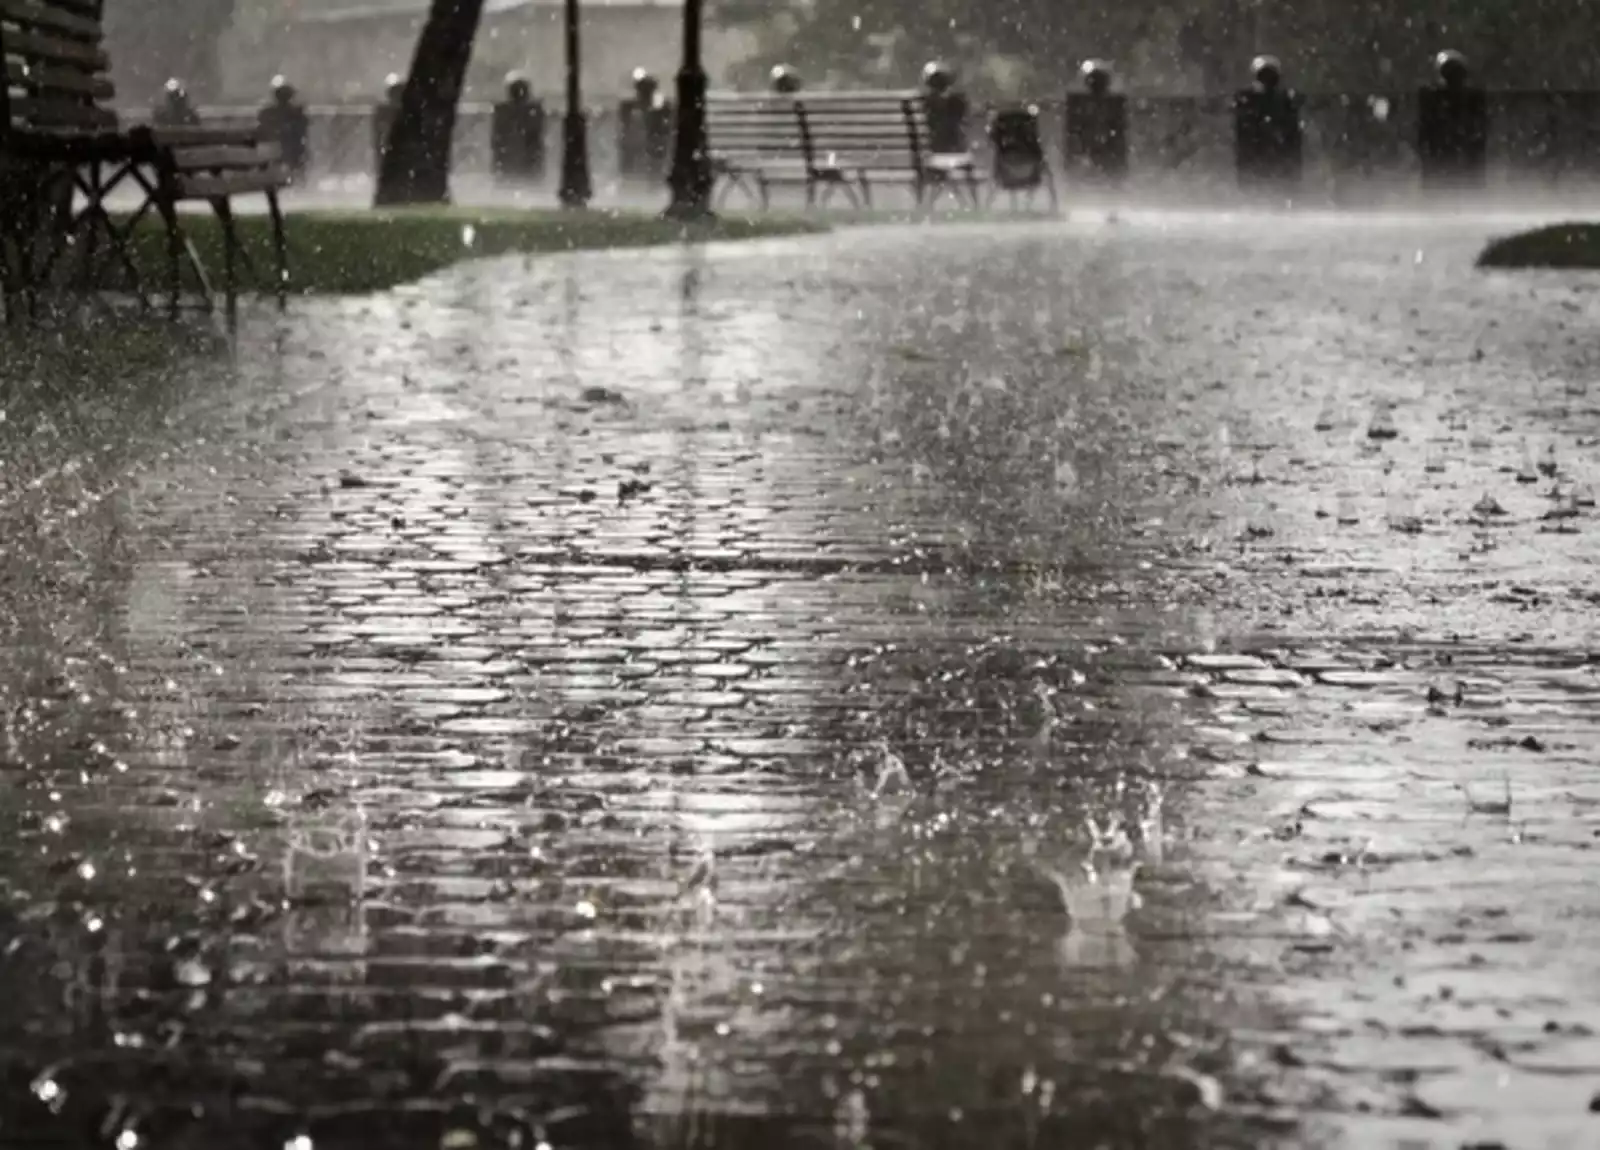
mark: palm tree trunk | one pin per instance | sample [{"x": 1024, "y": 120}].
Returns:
[{"x": 416, "y": 164}]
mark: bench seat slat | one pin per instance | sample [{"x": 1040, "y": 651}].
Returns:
[{"x": 207, "y": 187}]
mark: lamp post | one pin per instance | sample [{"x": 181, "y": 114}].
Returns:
[
  {"x": 691, "y": 158},
  {"x": 576, "y": 186}
]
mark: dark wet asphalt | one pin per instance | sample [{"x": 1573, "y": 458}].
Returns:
[{"x": 959, "y": 687}]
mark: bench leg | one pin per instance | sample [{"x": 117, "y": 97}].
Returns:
[
  {"x": 280, "y": 251},
  {"x": 223, "y": 207},
  {"x": 174, "y": 253}
]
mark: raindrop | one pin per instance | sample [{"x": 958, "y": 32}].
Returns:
[
  {"x": 192, "y": 973},
  {"x": 1066, "y": 478},
  {"x": 299, "y": 1142},
  {"x": 1488, "y": 505},
  {"x": 1346, "y": 514},
  {"x": 128, "y": 1140},
  {"x": 86, "y": 870},
  {"x": 1382, "y": 424},
  {"x": 586, "y": 910},
  {"x": 1526, "y": 471},
  {"x": 48, "y": 1090},
  {"x": 469, "y": 235},
  {"x": 1548, "y": 466},
  {"x": 1433, "y": 462}
]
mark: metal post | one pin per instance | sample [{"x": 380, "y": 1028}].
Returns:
[
  {"x": 691, "y": 176},
  {"x": 576, "y": 187}
]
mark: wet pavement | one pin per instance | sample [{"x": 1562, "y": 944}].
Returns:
[{"x": 1088, "y": 684}]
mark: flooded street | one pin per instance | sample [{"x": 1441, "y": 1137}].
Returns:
[{"x": 1109, "y": 683}]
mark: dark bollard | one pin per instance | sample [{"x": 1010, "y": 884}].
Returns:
[
  {"x": 1097, "y": 126},
  {"x": 644, "y": 130},
  {"x": 517, "y": 135},
  {"x": 284, "y": 122},
  {"x": 1019, "y": 165},
  {"x": 785, "y": 80},
  {"x": 1267, "y": 134},
  {"x": 383, "y": 116},
  {"x": 175, "y": 110},
  {"x": 1452, "y": 128},
  {"x": 946, "y": 108}
]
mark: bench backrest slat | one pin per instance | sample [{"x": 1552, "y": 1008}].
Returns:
[
  {"x": 42, "y": 112},
  {"x": 884, "y": 130},
  {"x": 56, "y": 79},
  {"x": 52, "y": 16},
  {"x": 54, "y": 67}
]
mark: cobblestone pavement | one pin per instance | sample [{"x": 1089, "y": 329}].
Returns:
[{"x": 1065, "y": 685}]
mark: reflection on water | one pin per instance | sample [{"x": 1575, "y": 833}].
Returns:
[{"x": 674, "y": 698}]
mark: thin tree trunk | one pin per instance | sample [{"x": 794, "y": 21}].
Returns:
[{"x": 416, "y": 163}]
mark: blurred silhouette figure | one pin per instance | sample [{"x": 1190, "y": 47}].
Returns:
[
  {"x": 1267, "y": 134},
  {"x": 383, "y": 116},
  {"x": 175, "y": 110},
  {"x": 1452, "y": 127},
  {"x": 947, "y": 110},
  {"x": 284, "y": 122},
  {"x": 645, "y": 129},
  {"x": 785, "y": 80},
  {"x": 516, "y": 134},
  {"x": 1097, "y": 126},
  {"x": 1019, "y": 165}
]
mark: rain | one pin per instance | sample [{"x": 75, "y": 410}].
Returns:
[{"x": 834, "y": 573}]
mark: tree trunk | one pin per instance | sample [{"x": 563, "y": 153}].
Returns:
[{"x": 416, "y": 163}]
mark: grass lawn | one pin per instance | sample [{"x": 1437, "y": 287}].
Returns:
[
  {"x": 351, "y": 252},
  {"x": 1555, "y": 246}
]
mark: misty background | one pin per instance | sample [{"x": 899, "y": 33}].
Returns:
[{"x": 338, "y": 51}]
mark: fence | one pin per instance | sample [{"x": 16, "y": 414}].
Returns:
[{"x": 1537, "y": 139}]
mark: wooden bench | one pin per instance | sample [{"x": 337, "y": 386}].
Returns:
[
  {"x": 63, "y": 152},
  {"x": 51, "y": 124},
  {"x": 827, "y": 142}
]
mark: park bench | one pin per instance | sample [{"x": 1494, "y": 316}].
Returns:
[
  {"x": 63, "y": 152},
  {"x": 826, "y": 142}
]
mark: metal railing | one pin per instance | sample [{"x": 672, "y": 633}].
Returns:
[{"x": 1536, "y": 138}]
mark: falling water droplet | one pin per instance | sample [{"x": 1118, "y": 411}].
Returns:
[
  {"x": 1066, "y": 478},
  {"x": 1382, "y": 425},
  {"x": 1526, "y": 471},
  {"x": 469, "y": 235}
]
